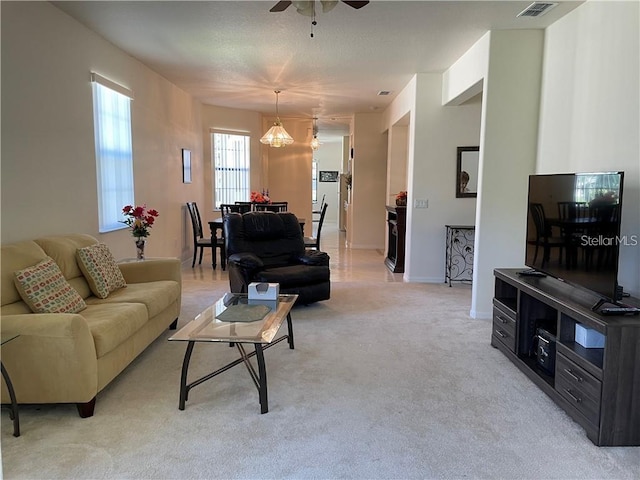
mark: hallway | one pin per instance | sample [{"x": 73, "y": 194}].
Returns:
[{"x": 347, "y": 265}]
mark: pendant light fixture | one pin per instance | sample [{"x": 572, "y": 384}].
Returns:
[
  {"x": 315, "y": 144},
  {"x": 277, "y": 136}
]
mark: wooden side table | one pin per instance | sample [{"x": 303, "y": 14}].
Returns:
[{"x": 13, "y": 413}]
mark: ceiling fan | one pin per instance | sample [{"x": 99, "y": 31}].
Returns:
[{"x": 307, "y": 8}]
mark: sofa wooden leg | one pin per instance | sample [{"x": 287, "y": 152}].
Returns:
[
  {"x": 85, "y": 410},
  {"x": 173, "y": 325}
]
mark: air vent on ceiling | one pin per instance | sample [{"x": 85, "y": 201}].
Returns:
[
  {"x": 384, "y": 93},
  {"x": 537, "y": 9}
]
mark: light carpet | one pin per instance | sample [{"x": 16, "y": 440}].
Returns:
[{"x": 387, "y": 381}]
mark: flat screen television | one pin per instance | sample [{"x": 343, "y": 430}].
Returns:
[{"x": 573, "y": 229}]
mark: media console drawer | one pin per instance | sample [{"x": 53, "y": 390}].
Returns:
[
  {"x": 579, "y": 388},
  {"x": 504, "y": 328}
]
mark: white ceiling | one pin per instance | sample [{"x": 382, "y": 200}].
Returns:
[{"x": 236, "y": 53}]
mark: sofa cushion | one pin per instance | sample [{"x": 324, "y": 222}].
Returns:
[
  {"x": 100, "y": 269},
  {"x": 45, "y": 290},
  {"x": 156, "y": 296},
  {"x": 17, "y": 256},
  {"x": 113, "y": 323},
  {"x": 62, "y": 248}
]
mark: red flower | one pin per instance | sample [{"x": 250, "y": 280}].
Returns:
[{"x": 139, "y": 219}]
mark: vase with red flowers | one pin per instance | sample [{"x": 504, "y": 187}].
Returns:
[{"x": 139, "y": 219}]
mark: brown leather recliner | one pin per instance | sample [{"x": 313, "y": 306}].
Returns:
[{"x": 269, "y": 247}]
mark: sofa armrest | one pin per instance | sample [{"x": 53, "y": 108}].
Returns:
[
  {"x": 314, "y": 258},
  {"x": 152, "y": 270},
  {"x": 53, "y": 360}
]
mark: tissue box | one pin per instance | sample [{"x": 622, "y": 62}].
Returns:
[
  {"x": 264, "y": 291},
  {"x": 589, "y": 338}
]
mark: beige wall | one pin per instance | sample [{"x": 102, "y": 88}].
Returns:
[
  {"x": 235, "y": 121},
  {"x": 289, "y": 168},
  {"x": 48, "y": 155},
  {"x": 367, "y": 215}
]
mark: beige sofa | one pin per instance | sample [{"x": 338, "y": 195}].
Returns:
[{"x": 69, "y": 358}]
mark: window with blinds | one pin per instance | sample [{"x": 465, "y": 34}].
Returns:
[
  {"x": 114, "y": 153},
  {"x": 231, "y": 167},
  {"x": 314, "y": 181}
]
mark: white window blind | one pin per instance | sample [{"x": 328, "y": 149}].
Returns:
[
  {"x": 114, "y": 154},
  {"x": 314, "y": 181},
  {"x": 231, "y": 167}
]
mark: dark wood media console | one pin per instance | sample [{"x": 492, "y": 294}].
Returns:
[
  {"x": 598, "y": 387},
  {"x": 396, "y": 226}
]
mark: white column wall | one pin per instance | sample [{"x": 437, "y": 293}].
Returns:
[
  {"x": 435, "y": 133},
  {"x": 511, "y": 99},
  {"x": 590, "y": 111}
]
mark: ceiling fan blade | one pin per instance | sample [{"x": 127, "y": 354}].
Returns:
[
  {"x": 280, "y": 6},
  {"x": 305, "y": 7},
  {"x": 327, "y": 5},
  {"x": 355, "y": 5}
]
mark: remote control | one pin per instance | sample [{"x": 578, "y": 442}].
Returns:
[
  {"x": 620, "y": 311},
  {"x": 531, "y": 273}
]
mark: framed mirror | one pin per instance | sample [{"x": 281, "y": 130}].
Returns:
[{"x": 467, "y": 172}]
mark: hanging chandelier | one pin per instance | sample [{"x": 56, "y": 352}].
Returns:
[
  {"x": 315, "y": 144},
  {"x": 277, "y": 136}
]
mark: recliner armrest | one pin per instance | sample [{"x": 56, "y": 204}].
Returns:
[
  {"x": 246, "y": 260},
  {"x": 314, "y": 258}
]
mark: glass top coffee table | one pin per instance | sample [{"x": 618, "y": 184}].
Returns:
[
  {"x": 208, "y": 327},
  {"x": 13, "y": 412}
]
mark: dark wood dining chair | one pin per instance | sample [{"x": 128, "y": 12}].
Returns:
[
  {"x": 544, "y": 237},
  {"x": 200, "y": 242},
  {"x": 248, "y": 205},
  {"x": 313, "y": 243},
  {"x": 226, "y": 208},
  {"x": 272, "y": 207},
  {"x": 318, "y": 212}
]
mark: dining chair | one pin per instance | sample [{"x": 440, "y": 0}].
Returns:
[
  {"x": 249, "y": 205},
  {"x": 226, "y": 208},
  {"x": 313, "y": 243},
  {"x": 200, "y": 242},
  {"x": 272, "y": 207},
  {"x": 319, "y": 211},
  {"x": 544, "y": 237}
]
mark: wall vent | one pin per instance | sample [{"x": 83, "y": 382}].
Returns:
[
  {"x": 536, "y": 9},
  {"x": 384, "y": 93}
]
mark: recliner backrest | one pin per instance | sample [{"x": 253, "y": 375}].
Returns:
[{"x": 276, "y": 238}]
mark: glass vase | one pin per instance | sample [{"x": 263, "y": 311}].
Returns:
[{"x": 140, "y": 244}]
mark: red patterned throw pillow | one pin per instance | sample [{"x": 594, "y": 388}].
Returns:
[
  {"x": 100, "y": 269},
  {"x": 44, "y": 288}
]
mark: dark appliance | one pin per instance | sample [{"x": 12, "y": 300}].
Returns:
[
  {"x": 573, "y": 229},
  {"x": 546, "y": 351}
]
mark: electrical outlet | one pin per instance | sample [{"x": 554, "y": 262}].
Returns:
[{"x": 420, "y": 203}]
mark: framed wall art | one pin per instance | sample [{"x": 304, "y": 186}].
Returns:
[
  {"x": 186, "y": 166},
  {"x": 328, "y": 175},
  {"x": 467, "y": 172}
]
